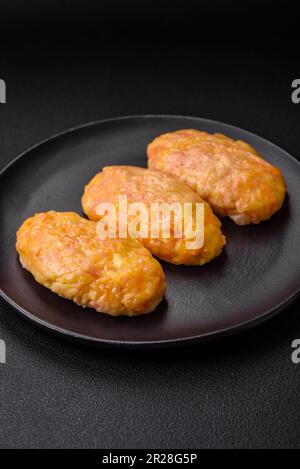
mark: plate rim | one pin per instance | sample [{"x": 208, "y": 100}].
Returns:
[
  {"x": 198, "y": 338},
  {"x": 150, "y": 344}
]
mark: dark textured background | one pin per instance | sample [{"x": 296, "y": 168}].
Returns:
[{"x": 66, "y": 64}]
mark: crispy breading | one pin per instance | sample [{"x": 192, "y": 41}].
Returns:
[
  {"x": 147, "y": 186},
  {"x": 64, "y": 253},
  {"x": 227, "y": 173}
]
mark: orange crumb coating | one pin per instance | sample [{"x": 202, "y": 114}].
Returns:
[
  {"x": 147, "y": 186},
  {"x": 64, "y": 253},
  {"x": 227, "y": 173}
]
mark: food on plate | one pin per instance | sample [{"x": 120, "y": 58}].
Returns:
[
  {"x": 227, "y": 173},
  {"x": 149, "y": 188},
  {"x": 64, "y": 253}
]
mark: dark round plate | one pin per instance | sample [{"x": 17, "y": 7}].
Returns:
[{"x": 256, "y": 277}]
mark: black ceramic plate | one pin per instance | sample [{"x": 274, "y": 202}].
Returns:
[{"x": 256, "y": 276}]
